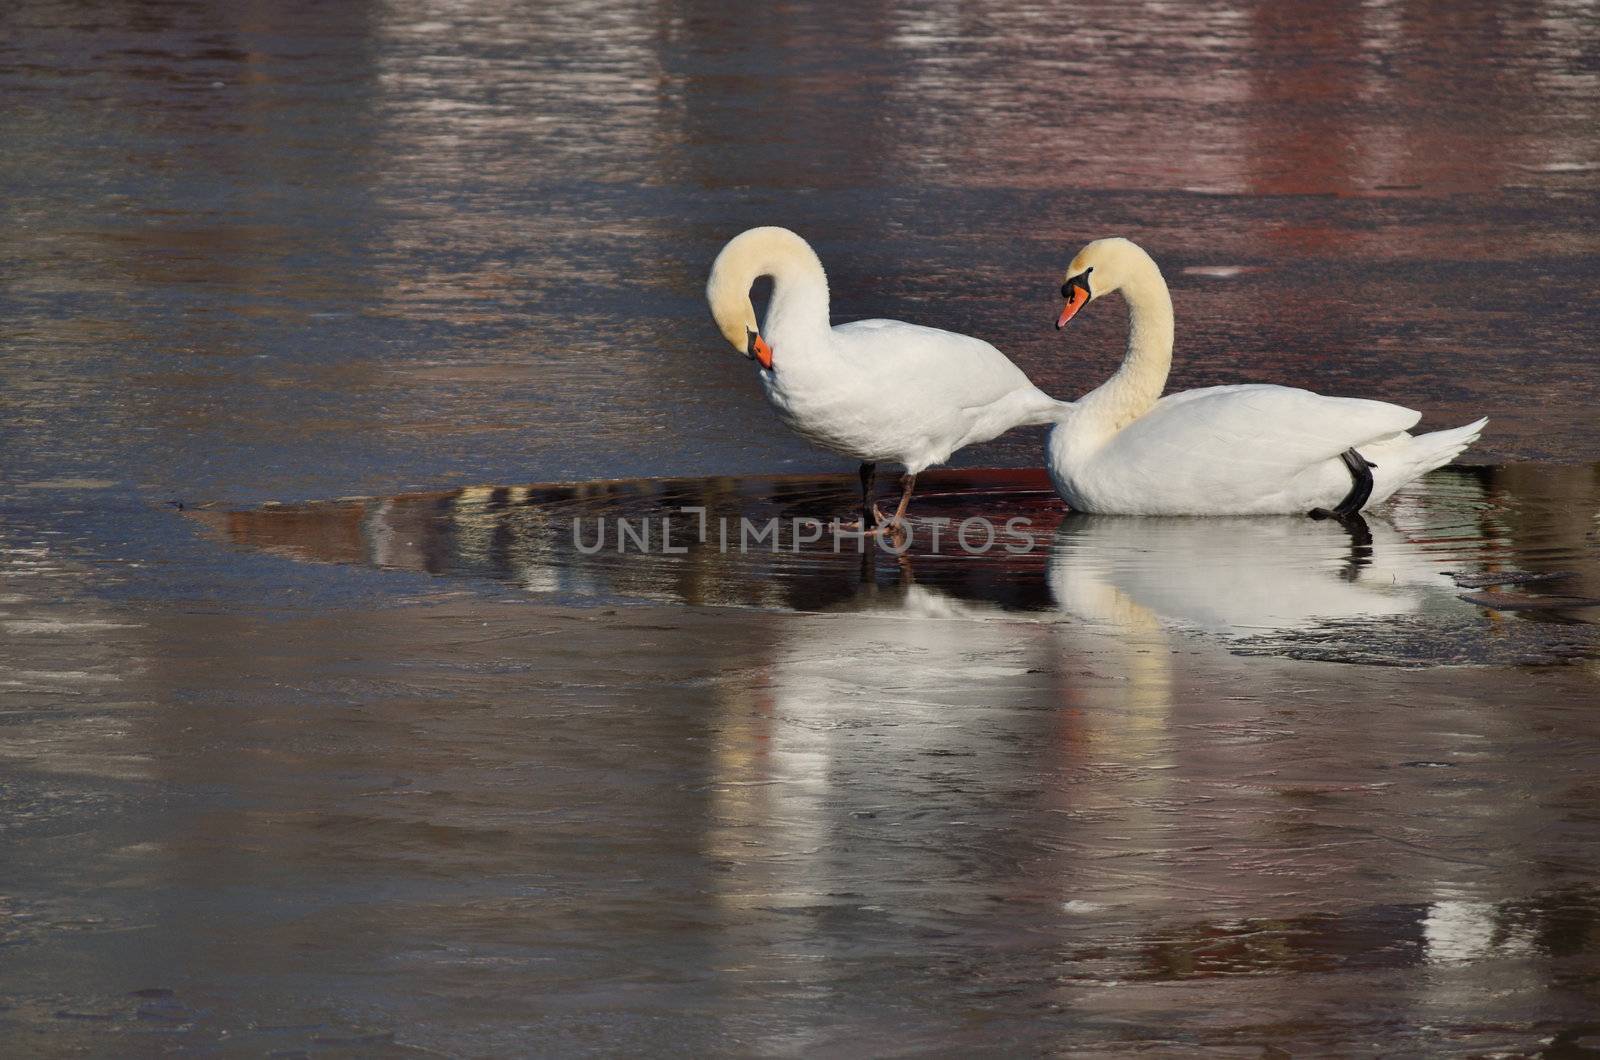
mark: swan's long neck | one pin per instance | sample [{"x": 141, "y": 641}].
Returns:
[
  {"x": 1137, "y": 385},
  {"x": 798, "y": 310},
  {"x": 798, "y": 313}
]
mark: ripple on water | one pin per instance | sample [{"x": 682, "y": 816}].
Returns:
[{"x": 1408, "y": 589}]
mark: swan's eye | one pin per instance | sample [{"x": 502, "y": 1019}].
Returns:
[{"x": 1080, "y": 280}]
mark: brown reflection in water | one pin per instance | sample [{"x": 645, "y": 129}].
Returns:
[
  {"x": 1488, "y": 131},
  {"x": 868, "y": 755},
  {"x": 191, "y": 218},
  {"x": 607, "y": 538},
  {"x": 796, "y": 113},
  {"x": 1308, "y": 88},
  {"x": 779, "y": 827},
  {"x": 1292, "y": 97},
  {"x": 699, "y": 541},
  {"x": 916, "y": 817},
  {"x": 484, "y": 198},
  {"x": 1556, "y": 924}
]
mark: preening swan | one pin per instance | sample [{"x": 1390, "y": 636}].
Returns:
[
  {"x": 1224, "y": 450},
  {"x": 873, "y": 390}
]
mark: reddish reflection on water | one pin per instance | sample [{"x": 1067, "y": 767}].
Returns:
[
  {"x": 429, "y": 240},
  {"x": 294, "y": 250},
  {"x": 908, "y": 820},
  {"x": 1411, "y": 585}
]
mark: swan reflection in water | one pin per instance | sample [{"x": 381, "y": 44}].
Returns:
[
  {"x": 909, "y": 759},
  {"x": 946, "y": 742},
  {"x": 1237, "y": 577}
]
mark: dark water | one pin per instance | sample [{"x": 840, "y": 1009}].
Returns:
[
  {"x": 1148, "y": 786},
  {"x": 1441, "y": 574},
  {"x": 427, "y": 243}
]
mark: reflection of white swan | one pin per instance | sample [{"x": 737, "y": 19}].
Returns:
[
  {"x": 863, "y": 759},
  {"x": 908, "y": 758},
  {"x": 1226, "y": 450},
  {"x": 1236, "y": 575},
  {"x": 855, "y": 701}
]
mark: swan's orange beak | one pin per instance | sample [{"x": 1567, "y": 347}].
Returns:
[
  {"x": 761, "y": 352},
  {"x": 1077, "y": 298}
]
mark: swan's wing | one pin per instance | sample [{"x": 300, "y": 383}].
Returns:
[
  {"x": 912, "y": 358},
  {"x": 875, "y": 324},
  {"x": 1274, "y": 430}
]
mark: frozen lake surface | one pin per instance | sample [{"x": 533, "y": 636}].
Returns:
[{"x": 319, "y": 734}]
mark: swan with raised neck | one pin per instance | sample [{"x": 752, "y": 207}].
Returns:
[
  {"x": 1252, "y": 449},
  {"x": 1110, "y": 266}
]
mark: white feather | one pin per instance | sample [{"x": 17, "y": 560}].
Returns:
[
  {"x": 1253, "y": 449},
  {"x": 872, "y": 390}
]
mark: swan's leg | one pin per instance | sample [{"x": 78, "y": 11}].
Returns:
[
  {"x": 869, "y": 474},
  {"x": 910, "y": 483},
  {"x": 871, "y": 516},
  {"x": 1361, "y": 474},
  {"x": 892, "y": 524},
  {"x": 1360, "y": 489}
]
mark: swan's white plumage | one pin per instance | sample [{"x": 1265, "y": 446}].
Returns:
[
  {"x": 873, "y": 390},
  {"x": 1254, "y": 449}
]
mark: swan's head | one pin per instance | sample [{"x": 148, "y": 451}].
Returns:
[
  {"x": 749, "y": 255},
  {"x": 1103, "y": 266}
]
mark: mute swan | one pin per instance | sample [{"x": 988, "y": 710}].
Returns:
[
  {"x": 1254, "y": 449},
  {"x": 873, "y": 390}
]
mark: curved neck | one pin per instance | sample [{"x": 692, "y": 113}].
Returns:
[
  {"x": 1137, "y": 385},
  {"x": 799, "y": 305}
]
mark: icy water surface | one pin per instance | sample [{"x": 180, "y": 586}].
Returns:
[
  {"x": 412, "y": 774},
  {"x": 1429, "y": 578},
  {"x": 1071, "y": 806}
]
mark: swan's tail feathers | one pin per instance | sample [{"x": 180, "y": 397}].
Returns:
[
  {"x": 1042, "y": 410},
  {"x": 1058, "y": 412},
  {"x": 1402, "y": 458},
  {"x": 1440, "y": 447}
]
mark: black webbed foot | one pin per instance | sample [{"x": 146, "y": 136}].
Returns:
[{"x": 1360, "y": 489}]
